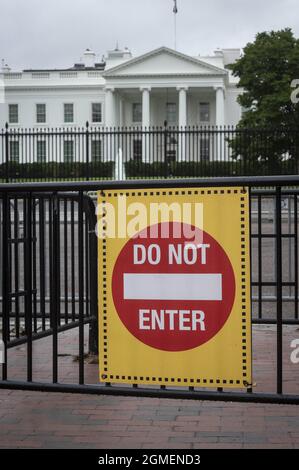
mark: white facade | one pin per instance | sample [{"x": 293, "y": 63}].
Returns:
[{"x": 162, "y": 85}]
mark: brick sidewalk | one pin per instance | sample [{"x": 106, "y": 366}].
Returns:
[{"x": 46, "y": 420}]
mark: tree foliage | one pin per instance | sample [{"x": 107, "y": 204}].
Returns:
[{"x": 266, "y": 71}]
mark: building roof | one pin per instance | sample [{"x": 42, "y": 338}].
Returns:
[
  {"x": 75, "y": 68},
  {"x": 183, "y": 58}
]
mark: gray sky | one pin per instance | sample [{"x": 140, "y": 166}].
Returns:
[{"x": 54, "y": 33}]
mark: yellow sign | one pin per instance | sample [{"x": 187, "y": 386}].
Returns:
[{"x": 174, "y": 287}]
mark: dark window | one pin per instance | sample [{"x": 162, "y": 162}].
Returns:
[
  {"x": 205, "y": 149},
  {"x": 40, "y": 113},
  {"x": 68, "y": 112},
  {"x": 204, "y": 112},
  {"x": 171, "y": 114},
  {"x": 171, "y": 155},
  {"x": 96, "y": 112},
  {"x": 14, "y": 151},
  {"x": 96, "y": 150},
  {"x": 68, "y": 151},
  {"x": 41, "y": 152},
  {"x": 137, "y": 112},
  {"x": 13, "y": 113},
  {"x": 137, "y": 150}
]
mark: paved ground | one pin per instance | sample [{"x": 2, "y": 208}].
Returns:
[
  {"x": 45, "y": 420},
  {"x": 263, "y": 349}
]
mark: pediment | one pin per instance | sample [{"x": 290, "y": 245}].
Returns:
[{"x": 164, "y": 61}]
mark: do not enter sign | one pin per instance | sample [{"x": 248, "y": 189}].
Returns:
[
  {"x": 174, "y": 289},
  {"x": 170, "y": 293}
]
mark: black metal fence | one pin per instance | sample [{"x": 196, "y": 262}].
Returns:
[
  {"x": 267, "y": 222},
  {"x": 125, "y": 153},
  {"x": 41, "y": 243},
  {"x": 49, "y": 280}
]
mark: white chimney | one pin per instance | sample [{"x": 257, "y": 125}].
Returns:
[
  {"x": 5, "y": 67},
  {"x": 117, "y": 56},
  {"x": 89, "y": 58},
  {"x": 218, "y": 53}
]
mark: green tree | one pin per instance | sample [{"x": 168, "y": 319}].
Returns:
[{"x": 266, "y": 71}]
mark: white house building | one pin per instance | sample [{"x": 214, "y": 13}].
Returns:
[
  {"x": 160, "y": 86},
  {"x": 124, "y": 91}
]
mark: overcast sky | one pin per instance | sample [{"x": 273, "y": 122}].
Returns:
[{"x": 54, "y": 33}]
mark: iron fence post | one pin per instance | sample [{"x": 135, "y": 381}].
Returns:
[
  {"x": 6, "y": 153},
  {"x": 89, "y": 209},
  {"x": 165, "y": 136},
  {"x": 5, "y": 283},
  {"x": 28, "y": 280},
  {"x": 81, "y": 284},
  {"x": 279, "y": 291},
  {"x": 55, "y": 284},
  {"x": 87, "y": 149}
]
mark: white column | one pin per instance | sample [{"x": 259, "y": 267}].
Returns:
[
  {"x": 219, "y": 142},
  {"x": 121, "y": 112},
  {"x": 182, "y": 106},
  {"x": 120, "y": 170},
  {"x": 109, "y": 140},
  {"x": 220, "y": 120},
  {"x": 182, "y": 122},
  {"x": 145, "y": 106},
  {"x": 110, "y": 107},
  {"x": 146, "y": 119}
]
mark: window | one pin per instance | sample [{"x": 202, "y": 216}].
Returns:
[
  {"x": 137, "y": 112},
  {"x": 68, "y": 151},
  {"x": 204, "y": 112},
  {"x": 170, "y": 156},
  {"x": 171, "y": 148},
  {"x": 68, "y": 112},
  {"x": 40, "y": 113},
  {"x": 14, "y": 151},
  {"x": 96, "y": 112},
  {"x": 137, "y": 149},
  {"x": 13, "y": 113},
  {"x": 204, "y": 148},
  {"x": 41, "y": 151},
  {"x": 96, "y": 151},
  {"x": 171, "y": 115}
]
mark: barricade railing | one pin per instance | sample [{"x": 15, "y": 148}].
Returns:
[{"x": 42, "y": 234}]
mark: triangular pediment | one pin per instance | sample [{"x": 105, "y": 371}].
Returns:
[{"x": 163, "y": 61}]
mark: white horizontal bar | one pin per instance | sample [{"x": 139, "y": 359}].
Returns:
[{"x": 172, "y": 286}]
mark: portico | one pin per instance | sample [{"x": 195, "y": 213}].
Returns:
[
  {"x": 148, "y": 107},
  {"x": 153, "y": 102},
  {"x": 165, "y": 86},
  {"x": 160, "y": 78}
]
